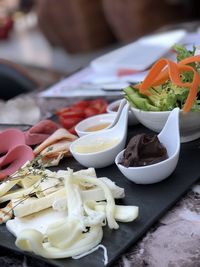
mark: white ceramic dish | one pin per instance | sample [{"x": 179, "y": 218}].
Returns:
[
  {"x": 105, "y": 157},
  {"x": 189, "y": 122},
  {"x": 81, "y": 127},
  {"x": 159, "y": 171},
  {"x": 112, "y": 109}
]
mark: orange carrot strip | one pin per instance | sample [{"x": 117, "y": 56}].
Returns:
[
  {"x": 152, "y": 75},
  {"x": 189, "y": 60},
  {"x": 163, "y": 77},
  {"x": 175, "y": 75},
  {"x": 192, "y": 92},
  {"x": 164, "y": 74},
  {"x": 165, "y": 69}
]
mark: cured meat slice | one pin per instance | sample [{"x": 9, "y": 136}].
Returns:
[
  {"x": 40, "y": 132},
  {"x": 55, "y": 147},
  {"x": 14, "y": 153},
  {"x": 9, "y": 139},
  {"x": 58, "y": 136},
  {"x": 14, "y": 159}
]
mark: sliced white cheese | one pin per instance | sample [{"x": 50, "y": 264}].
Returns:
[
  {"x": 38, "y": 221},
  {"x": 90, "y": 171},
  {"x": 96, "y": 194},
  {"x": 29, "y": 181},
  {"x": 33, "y": 204},
  {"x": 118, "y": 192},
  {"x": 48, "y": 186},
  {"x": 6, "y": 186},
  {"x": 18, "y": 193}
]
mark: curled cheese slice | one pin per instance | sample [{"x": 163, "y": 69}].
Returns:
[
  {"x": 122, "y": 213},
  {"x": 110, "y": 203},
  {"x": 33, "y": 240}
]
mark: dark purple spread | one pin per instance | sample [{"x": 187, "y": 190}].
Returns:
[{"x": 144, "y": 150}]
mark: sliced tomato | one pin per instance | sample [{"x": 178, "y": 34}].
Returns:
[
  {"x": 99, "y": 104},
  {"x": 62, "y": 110},
  {"x": 73, "y": 114},
  {"x": 70, "y": 116},
  {"x": 91, "y": 111},
  {"x": 82, "y": 104},
  {"x": 69, "y": 122}
]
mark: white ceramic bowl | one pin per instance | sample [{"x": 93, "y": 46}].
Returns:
[
  {"x": 113, "y": 107},
  {"x": 155, "y": 121},
  {"x": 154, "y": 173},
  {"x": 81, "y": 127},
  {"x": 100, "y": 148}
]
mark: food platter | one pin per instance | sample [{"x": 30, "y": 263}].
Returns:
[{"x": 153, "y": 201}]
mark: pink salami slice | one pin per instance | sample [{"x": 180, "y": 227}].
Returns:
[
  {"x": 14, "y": 153},
  {"x": 40, "y": 132},
  {"x": 10, "y": 138},
  {"x": 15, "y": 158}
]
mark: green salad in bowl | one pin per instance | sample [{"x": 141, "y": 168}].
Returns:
[{"x": 169, "y": 85}]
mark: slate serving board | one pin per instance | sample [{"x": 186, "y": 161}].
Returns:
[{"x": 153, "y": 201}]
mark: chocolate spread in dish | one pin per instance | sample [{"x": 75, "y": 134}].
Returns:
[{"x": 144, "y": 150}]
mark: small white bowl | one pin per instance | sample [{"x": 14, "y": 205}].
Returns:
[
  {"x": 155, "y": 121},
  {"x": 113, "y": 107},
  {"x": 100, "y": 148},
  {"x": 101, "y": 119},
  {"x": 170, "y": 138}
]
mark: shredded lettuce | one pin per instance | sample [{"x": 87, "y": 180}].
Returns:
[
  {"x": 167, "y": 96},
  {"x": 183, "y": 52}
]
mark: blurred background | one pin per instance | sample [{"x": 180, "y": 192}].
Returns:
[{"x": 51, "y": 38}]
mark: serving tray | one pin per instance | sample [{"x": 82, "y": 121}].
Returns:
[{"x": 153, "y": 201}]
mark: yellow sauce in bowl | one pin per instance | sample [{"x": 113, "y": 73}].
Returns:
[
  {"x": 97, "y": 127},
  {"x": 97, "y": 146}
]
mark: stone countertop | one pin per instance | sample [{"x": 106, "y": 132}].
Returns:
[{"x": 173, "y": 241}]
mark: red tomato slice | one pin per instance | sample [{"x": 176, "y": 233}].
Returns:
[
  {"x": 91, "y": 111},
  {"x": 82, "y": 104},
  {"x": 100, "y": 104},
  {"x": 73, "y": 114},
  {"x": 69, "y": 122},
  {"x": 62, "y": 110},
  {"x": 70, "y": 116}
]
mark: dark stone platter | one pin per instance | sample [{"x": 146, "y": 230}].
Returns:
[{"x": 153, "y": 201}]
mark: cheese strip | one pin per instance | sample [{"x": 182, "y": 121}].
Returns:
[
  {"x": 32, "y": 205},
  {"x": 96, "y": 194},
  {"x": 122, "y": 213},
  {"x": 6, "y": 213},
  {"x": 19, "y": 193},
  {"x": 28, "y": 181},
  {"x": 6, "y": 186}
]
